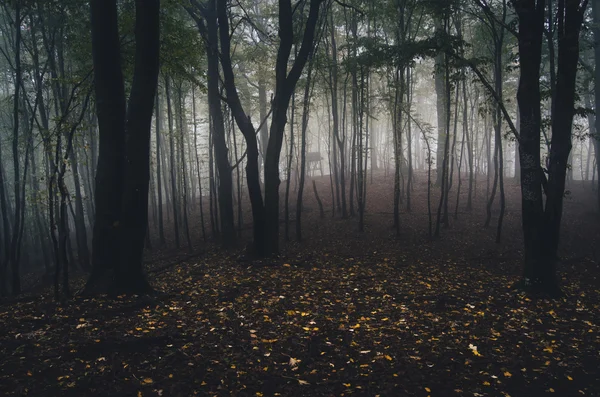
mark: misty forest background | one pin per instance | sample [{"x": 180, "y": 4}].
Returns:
[{"x": 347, "y": 92}]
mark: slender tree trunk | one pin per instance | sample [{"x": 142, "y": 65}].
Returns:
[
  {"x": 285, "y": 86},
  {"x": 182, "y": 132},
  {"x": 225, "y": 185},
  {"x": 339, "y": 140},
  {"x": 247, "y": 129},
  {"x": 173, "y": 169},
  {"x": 161, "y": 228},
  {"x": 441, "y": 109},
  {"x": 198, "y": 169},
  {"x": 305, "y": 114},
  {"x": 79, "y": 219},
  {"x": 289, "y": 170},
  {"x": 16, "y": 278},
  {"x": 409, "y": 181}
]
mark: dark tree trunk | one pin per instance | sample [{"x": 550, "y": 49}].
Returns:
[
  {"x": 305, "y": 114},
  {"x": 19, "y": 203},
  {"x": 340, "y": 141},
  {"x": 182, "y": 139},
  {"x": 161, "y": 229},
  {"x": 288, "y": 179},
  {"x": 110, "y": 107},
  {"x": 83, "y": 252},
  {"x": 469, "y": 150},
  {"x": 211, "y": 32},
  {"x": 172, "y": 165},
  {"x": 124, "y": 155},
  {"x": 285, "y": 84},
  {"x": 247, "y": 129},
  {"x": 541, "y": 226},
  {"x": 198, "y": 169},
  {"x": 442, "y": 114}
]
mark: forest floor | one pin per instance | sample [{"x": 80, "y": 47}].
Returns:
[{"x": 342, "y": 313}]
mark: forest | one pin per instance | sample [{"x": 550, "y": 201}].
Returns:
[{"x": 299, "y": 197}]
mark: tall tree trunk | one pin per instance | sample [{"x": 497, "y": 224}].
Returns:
[
  {"x": 198, "y": 169},
  {"x": 19, "y": 204},
  {"x": 159, "y": 188},
  {"x": 531, "y": 24},
  {"x": 441, "y": 109},
  {"x": 225, "y": 185},
  {"x": 247, "y": 129},
  {"x": 79, "y": 219},
  {"x": 469, "y": 147},
  {"x": 284, "y": 88},
  {"x": 289, "y": 170},
  {"x": 340, "y": 141},
  {"x": 182, "y": 132},
  {"x": 172, "y": 165},
  {"x": 124, "y": 159},
  {"x": 305, "y": 114}
]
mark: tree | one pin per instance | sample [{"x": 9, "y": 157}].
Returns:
[
  {"x": 266, "y": 216},
  {"x": 208, "y": 27},
  {"x": 122, "y": 176},
  {"x": 541, "y": 221}
]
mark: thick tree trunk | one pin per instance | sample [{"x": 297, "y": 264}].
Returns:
[
  {"x": 110, "y": 107},
  {"x": 124, "y": 157},
  {"x": 531, "y": 20}
]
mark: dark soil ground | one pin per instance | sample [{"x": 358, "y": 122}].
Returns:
[{"x": 342, "y": 313}]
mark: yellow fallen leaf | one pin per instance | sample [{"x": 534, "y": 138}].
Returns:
[
  {"x": 569, "y": 378},
  {"x": 428, "y": 390},
  {"x": 551, "y": 390},
  {"x": 147, "y": 381},
  {"x": 388, "y": 358},
  {"x": 507, "y": 374},
  {"x": 486, "y": 383},
  {"x": 548, "y": 349}
]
